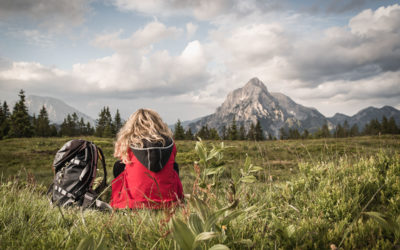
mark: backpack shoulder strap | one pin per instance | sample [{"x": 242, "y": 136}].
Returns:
[{"x": 103, "y": 184}]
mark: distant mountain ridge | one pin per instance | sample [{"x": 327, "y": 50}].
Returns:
[
  {"x": 364, "y": 116},
  {"x": 56, "y": 109},
  {"x": 276, "y": 110}
]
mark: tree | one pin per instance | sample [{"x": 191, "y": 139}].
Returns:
[
  {"x": 258, "y": 132},
  {"x": 4, "y": 120},
  {"x": 354, "y": 131},
  {"x": 251, "y": 134},
  {"x": 305, "y": 134},
  {"x": 105, "y": 125},
  {"x": 203, "y": 133},
  {"x": 224, "y": 133},
  {"x": 282, "y": 133},
  {"x": 232, "y": 131},
  {"x": 294, "y": 133},
  {"x": 213, "y": 134},
  {"x": 179, "y": 132},
  {"x": 117, "y": 122},
  {"x": 42, "y": 127},
  {"x": 20, "y": 123},
  {"x": 242, "y": 133},
  {"x": 189, "y": 134},
  {"x": 392, "y": 127}
]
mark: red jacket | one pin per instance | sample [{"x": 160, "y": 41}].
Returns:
[{"x": 150, "y": 180}]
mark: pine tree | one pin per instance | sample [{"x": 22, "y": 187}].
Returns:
[
  {"x": 203, "y": 133},
  {"x": 259, "y": 134},
  {"x": 392, "y": 127},
  {"x": 305, "y": 134},
  {"x": 223, "y": 133},
  {"x": 4, "y": 120},
  {"x": 20, "y": 123},
  {"x": 354, "y": 131},
  {"x": 251, "y": 134},
  {"x": 117, "y": 122},
  {"x": 346, "y": 129},
  {"x": 105, "y": 125},
  {"x": 42, "y": 127},
  {"x": 282, "y": 134},
  {"x": 213, "y": 134},
  {"x": 189, "y": 134},
  {"x": 179, "y": 132},
  {"x": 233, "y": 132},
  {"x": 242, "y": 133}
]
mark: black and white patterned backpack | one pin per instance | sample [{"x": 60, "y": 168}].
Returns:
[{"x": 75, "y": 166}]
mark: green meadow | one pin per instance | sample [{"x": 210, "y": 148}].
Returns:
[{"x": 292, "y": 194}]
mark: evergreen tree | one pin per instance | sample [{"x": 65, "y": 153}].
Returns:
[
  {"x": 179, "y": 132},
  {"x": 258, "y": 132},
  {"x": 4, "y": 120},
  {"x": 323, "y": 132},
  {"x": 354, "y": 131},
  {"x": 305, "y": 134},
  {"x": 233, "y": 132},
  {"x": 223, "y": 133},
  {"x": 20, "y": 122},
  {"x": 282, "y": 133},
  {"x": 105, "y": 125},
  {"x": 294, "y": 134},
  {"x": 42, "y": 127},
  {"x": 392, "y": 127},
  {"x": 213, "y": 134},
  {"x": 203, "y": 133},
  {"x": 89, "y": 129},
  {"x": 251, "y": 134},
  {"x": 117, "y": 122},
  {"x": 346, "y": 129},
  {"x": 189, "y": 134},
  {"x": 339, "y": 131},
  {"x": 242, "y": 133}
]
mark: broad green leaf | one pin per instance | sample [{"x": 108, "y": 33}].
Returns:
[
  {"x": 182, "y": 234},
  {"x": 219, "y": 247},
  {"x": 195, "y": 223},
  {"x": 205, "y": 236},
  {"x": 256, "y": 169},
  {"x": 248, "y": 179},
  {"x": 232, "y": 216}
]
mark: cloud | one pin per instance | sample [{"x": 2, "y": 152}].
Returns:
[
  {"x": 151, "y": 34},
  {"x": 135, "y": 69},
  {"x": 201, "y": 10},
  {"x": 190, "y": 30},
  {"x": 55, "y": 15}
]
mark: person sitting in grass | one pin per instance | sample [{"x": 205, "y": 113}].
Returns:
[{"x": 146, "y": 175}]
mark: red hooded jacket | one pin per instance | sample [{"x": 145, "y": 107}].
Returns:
[{"x": 150, "y": 180}]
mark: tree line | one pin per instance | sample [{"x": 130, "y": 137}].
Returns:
[
  {"x": 231, "y": 132},
  {"x": 342, "y": 130},
  {"x": 19, "y": 123}
]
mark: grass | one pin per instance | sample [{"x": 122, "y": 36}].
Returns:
[{"x": 309, "y": 194}]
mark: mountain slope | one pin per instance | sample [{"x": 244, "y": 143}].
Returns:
[
  {"x": 366, "y": 115},
  {"x": 274, "y": 110},
  {"x": 57, "y": 109}
]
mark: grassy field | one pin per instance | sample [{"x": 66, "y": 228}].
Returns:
[{"x": 301, "y": 194}]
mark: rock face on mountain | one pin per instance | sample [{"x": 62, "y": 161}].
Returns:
[
  {"x": 57, "y": 109},
  {"x": 366, "y": 115},
  {"x": 273, "y": 110}
]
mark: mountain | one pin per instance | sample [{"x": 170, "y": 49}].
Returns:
[
  {"x": 57, "y": 109},
  {"x": 273, "y": 110},
  {"x": 366, "y": 115}
]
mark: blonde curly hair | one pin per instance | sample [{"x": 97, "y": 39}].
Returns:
[{"x": 143, "y": 125}]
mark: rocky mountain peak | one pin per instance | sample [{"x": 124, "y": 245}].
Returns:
[{"x": 255, "y": 83}]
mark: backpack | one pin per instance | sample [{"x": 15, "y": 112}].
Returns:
[{"x": 75, "y": 167}]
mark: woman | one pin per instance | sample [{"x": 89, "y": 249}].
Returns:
[{"x": 149, "y": 180}]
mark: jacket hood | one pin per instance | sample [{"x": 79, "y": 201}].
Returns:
[{"x": 154, "y": 156}]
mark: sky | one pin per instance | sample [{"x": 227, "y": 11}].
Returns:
[{"x": 182, "y": 57}]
